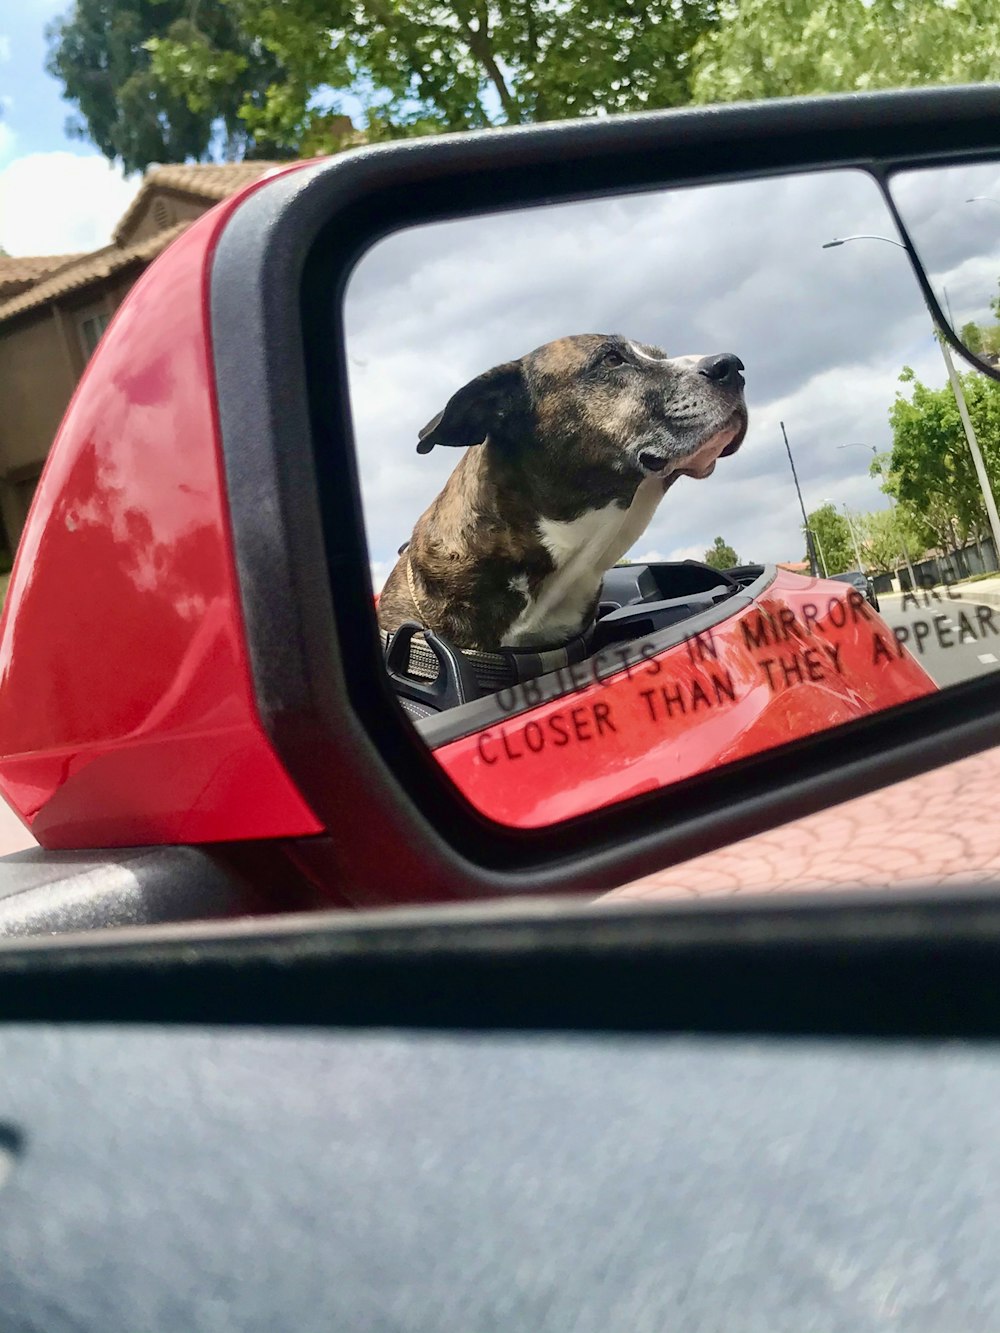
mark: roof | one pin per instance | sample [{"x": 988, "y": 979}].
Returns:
[
  {"x": 35, "y": 281},
  {"x": 90, "y": 268},
  {"x": 204, "y": 180},
  {"x": 18, "y": 272}
]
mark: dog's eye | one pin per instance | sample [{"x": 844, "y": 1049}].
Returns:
[{"x": 612, "y": 358}]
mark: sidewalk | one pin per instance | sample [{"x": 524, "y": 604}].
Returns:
[
  {"x": 984, "y": 591},
  {"x": 939, "y": 830}
]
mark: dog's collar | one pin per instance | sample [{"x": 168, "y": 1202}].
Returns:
[{"x": 411, "y": 584}]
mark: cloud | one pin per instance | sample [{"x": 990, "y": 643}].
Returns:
[
  {"x": 381, "y": 569},
  {"x": 59, "y": 203},
  {"x": 953, "y": 216},
  {"x": 734, "y": 267}
]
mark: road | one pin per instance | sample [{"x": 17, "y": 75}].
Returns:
[{"x": 953, "y": 639}]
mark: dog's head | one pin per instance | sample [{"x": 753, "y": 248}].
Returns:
[{"x": 603, "y": 410}]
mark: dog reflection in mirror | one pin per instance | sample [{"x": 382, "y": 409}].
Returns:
[{"x": 575, "y": 446}]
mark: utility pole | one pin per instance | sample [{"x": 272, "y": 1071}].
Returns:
[{"x": 810, "y": 540}]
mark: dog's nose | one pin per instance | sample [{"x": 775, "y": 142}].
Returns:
[{"x": 722, "y": 369}]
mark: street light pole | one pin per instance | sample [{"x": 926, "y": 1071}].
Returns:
[
  {"x": 956, "y": 388},
  {"x": 822, "y": 555},
  {"x": 854, "y": 539},
  {"x": 977, "y": 457},
  {"x": 894, "y": 508},
  {"x": 810, "y": 540},
  {"x": 850, "y": 529}
]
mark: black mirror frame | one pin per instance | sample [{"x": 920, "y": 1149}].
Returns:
[
  {"x": 938, "y": 317},
  {"x": 398, "y": 829}
]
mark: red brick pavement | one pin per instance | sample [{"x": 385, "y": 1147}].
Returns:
[{"x": 939, "y": 829}]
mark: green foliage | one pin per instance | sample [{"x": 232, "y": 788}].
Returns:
[
  {"x": 720, "y": 555},
  {"x": 930, "y": 470},
  {"x": 835, "y": 550},
  {"x": 983, "y": 338},
  {"x": 136, "y": 112},
  {"x": 154, "y": 80},
  {"x": 425, "y": 65},
  {"x": 781, "y": 48},
  {"x": 886, "y": 538}
]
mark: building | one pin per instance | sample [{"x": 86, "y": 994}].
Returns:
[{"x": 54, "y": 308}]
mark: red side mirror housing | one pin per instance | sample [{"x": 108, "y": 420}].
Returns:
[{"x": 127, "y": 712}]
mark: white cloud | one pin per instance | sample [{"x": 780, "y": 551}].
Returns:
[
  {"x": 59, "y": 203},
  {"x": 381, "y": 569},
  {"x": 7, "y": 141}
]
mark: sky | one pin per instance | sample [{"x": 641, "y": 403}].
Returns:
[
  {"x": 740, "y": 267},
  {"x": 57, "y": 195}
]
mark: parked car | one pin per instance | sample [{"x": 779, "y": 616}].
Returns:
[{"x": 862, "y": 582}]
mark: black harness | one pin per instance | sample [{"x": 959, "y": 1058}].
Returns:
[{"x": 432, "y": 674}]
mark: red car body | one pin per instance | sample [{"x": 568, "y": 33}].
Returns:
[
  {"x": 804, "y": 656},
  {"x": 127, "y": 712}
]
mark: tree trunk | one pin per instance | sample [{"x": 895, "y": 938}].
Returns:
[{"x": 481, "y": 46}]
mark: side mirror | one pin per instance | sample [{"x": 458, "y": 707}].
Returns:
[{"x": 577, "y": 322}]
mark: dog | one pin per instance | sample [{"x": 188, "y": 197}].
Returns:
[{"x": 569, "y": 451}]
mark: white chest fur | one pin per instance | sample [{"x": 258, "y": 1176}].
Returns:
[{"x": 582, "y": 550}]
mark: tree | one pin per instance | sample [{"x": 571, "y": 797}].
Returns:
[
  {"x": 983, "y": 339},
  {"x": 930, "y": 470},
  {"x": 134, "y": 114},
  {"x": 777, "y": 48},
  {"x": 720, "y": 555},
  {"x": 887, "y": 540},
  {"x": 423, "y": 65},
  {"x": 835, "y": 549}
]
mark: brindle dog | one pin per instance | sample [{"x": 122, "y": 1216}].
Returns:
[{"x": 577, "y": 444}]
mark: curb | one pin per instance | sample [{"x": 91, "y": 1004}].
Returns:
[{"x": 983, "y": 598}]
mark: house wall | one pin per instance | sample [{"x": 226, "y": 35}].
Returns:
[
  {"x": 163, "y": 209},
  {"x": 38, "y": 377},
  {"x": 42, "y": 356}
]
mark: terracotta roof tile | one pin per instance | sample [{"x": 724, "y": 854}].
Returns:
[
  {"x": 20, "y": 271},
  {"x": 87, "y": 269},
  {"x": 55, "y": 276},
  {"x": 205, "y": 180}
]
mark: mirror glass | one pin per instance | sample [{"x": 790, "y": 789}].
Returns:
[
  {"x": 658, "y": 482},
  {"x": 953, "y": 217}
]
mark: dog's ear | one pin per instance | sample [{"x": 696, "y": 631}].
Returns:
[{"x": 478, "y": 409}]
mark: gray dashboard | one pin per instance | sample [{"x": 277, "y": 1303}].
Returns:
[{"x": 226, "y": 1179}]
